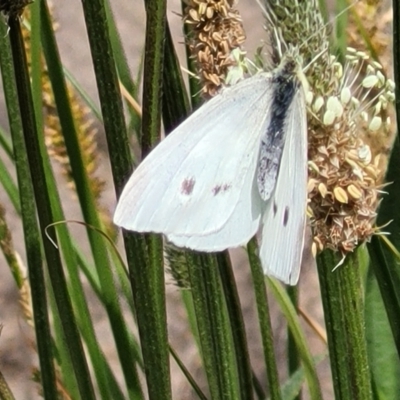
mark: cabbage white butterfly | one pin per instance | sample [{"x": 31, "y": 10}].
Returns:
[{"x": 236, "y": 166}]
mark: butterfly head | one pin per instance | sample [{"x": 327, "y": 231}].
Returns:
[{"x": 291, "y": 67}]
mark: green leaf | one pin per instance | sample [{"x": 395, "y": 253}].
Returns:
[
  {"x": 383, "y": 260},
  {"x": 298, "y": 336},
  {"x": 382, "y": 353},
  {"x": 291, "y": 388}
]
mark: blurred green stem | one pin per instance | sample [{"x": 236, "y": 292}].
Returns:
[{"x": 5, "y": 392}]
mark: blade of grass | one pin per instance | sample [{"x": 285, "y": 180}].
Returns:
[
  {"x": 340, "y": 28},
  {"x": 291, "y": 388},
  {"x": 106, "y": 381},
  {"x": 29, "y": 221},
  {"x": 87, "y": 203},
  {"x": 187, "y": 374},
  {"x": 84, "y": 95},
  {"x": 34, "y": 51},
  {"x": 364, "y": 34},
  {"x": 146, "y": 272},
  {"x": 383, "y": 261},
  {"x": 293, "y": 355},
  {"x": 302, "y": 347},
  {"x": 119, "y": 53},
  {"x": 45, "y": 214},
  {"x": 5, "y": 142},
  {"x": 175, "y": 105},
  {"x": 7, "y": 183},
  {"x": 382, "y": 354},
  {"x": 264, "y": 319}
]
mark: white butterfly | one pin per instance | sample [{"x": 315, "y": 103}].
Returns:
[{"x": 236, "y": 166}]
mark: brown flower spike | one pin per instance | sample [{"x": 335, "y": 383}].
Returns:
[
  {"x": 348, "y": 110},
  {"x": 216, "y": 30},
  {"x": 346, "y": 105},
  {"x": 13, "y": 8}
]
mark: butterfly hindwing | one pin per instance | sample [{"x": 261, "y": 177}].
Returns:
[{"x": 239, "y": 228}]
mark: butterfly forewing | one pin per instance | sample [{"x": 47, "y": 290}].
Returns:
[
  {"x": 199, "y": 180},
  {"x": 238, "y": 229}
]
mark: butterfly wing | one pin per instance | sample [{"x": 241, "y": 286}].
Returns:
[
  {"x": 284, "y": 221},
  {"x": 239, "y": 228},
  {"x": 199, "y": 179}
]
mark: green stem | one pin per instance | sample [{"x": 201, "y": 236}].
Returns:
[
  {"x": 85, "y": 195},
  {"x": 45, "y": 215},
  {"x": 293, "y": 355},
  {"x": 264, "y": 320},
  {"x": 212, "y": 324},
  {"x": 237, "y": 325},
  {"x": 342, "y": 298}
]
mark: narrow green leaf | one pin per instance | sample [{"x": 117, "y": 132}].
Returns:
[
  {"x": 293, "y": 354},
  {"x": 175, "y": 104},
  {"x": 118, "y": 52},
  {"x": 298, "y": 335},
  {"x": 7, "y": 183},
  {"x": 83, "y": 94},
  {"x": 46, "y": 218},
  {"x": 341, "y": 22},
  {"x": 383, "y": 356},
  {"x": 87, "y": 202},
  {"x": 188, "y": 376},
  {"x": 291, "y": 388},
  {"x": 264, "y": 320},
  {"x": 5, "y": 142},
  {"x": 29, "y": 221},
  {"x": 384, "y": 263}
]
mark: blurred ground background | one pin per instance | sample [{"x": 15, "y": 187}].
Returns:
[{"x": 17, "y": 354}]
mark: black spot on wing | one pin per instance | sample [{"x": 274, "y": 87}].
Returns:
[
  {"x": 187, "y": 186},
  {"x": 286, "y": 216},
  {"x": 216, "y": 189},
  {"x": 219, "y": 189},
  {"x": 274, "y": 208}
]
